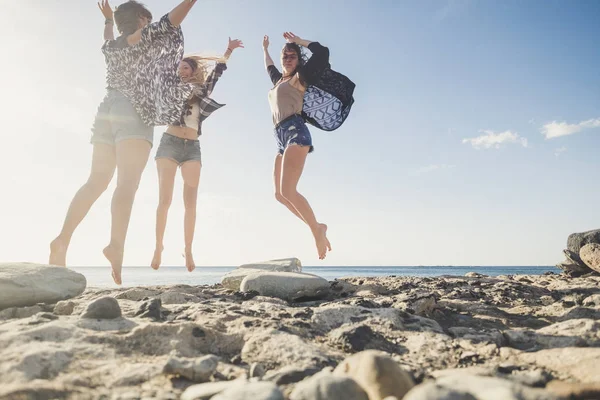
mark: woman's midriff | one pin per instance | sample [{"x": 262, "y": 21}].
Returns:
[{"x": 183, "y": 132}]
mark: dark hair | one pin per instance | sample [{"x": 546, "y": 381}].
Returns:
[
  {"x": 301, "y": 59},
  {"x": 127, "y": 16}
]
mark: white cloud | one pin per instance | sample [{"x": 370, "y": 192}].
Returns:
[
  {"x": 490, "y": 139},
  {"x": 559, "y": 151},
  {"x": 557, "y": 129}
]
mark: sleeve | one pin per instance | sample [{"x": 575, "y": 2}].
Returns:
[
  {"x": 207, "y": 87},
  {"x": 159, "y": 29},
  {"x": 317, "y": 63},
  {"x": 274, "y": 74}
]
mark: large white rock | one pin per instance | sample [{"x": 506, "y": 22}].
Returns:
[
  {"x": 233, "y": 279},
  {"x": 289, "y": 286},
  {"x": 26, "y": 284}
]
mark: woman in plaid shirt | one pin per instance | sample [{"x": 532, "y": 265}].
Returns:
[{"x": 180, "y": 147}]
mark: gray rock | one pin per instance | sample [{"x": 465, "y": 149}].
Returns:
[
  {"x": 135, "y": 374},
  {"x": 576, "y": 241},
  {"x": 581, "y": 364},
  {"x": 257, "y": 370},
  {"x": 289, "y": 286},
  {"x": 205, "y": 391},
  {"x": 233, "y": 279},
  {"x": 290, "y": 374},
  {"x": 326, "y": 386},
  {"x": 253, "y": 391},
  {"x": 197, "y": 370},
  {"x": 590, "y": 255},
  {"x": 25, "y": 284},
  {"x": 150, "y": 309},
  {"x": 355, "y": 338},
  {"x": 103, "y": 308},
  {"x": 592, "y": 301}
]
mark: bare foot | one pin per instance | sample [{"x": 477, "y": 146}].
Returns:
[
  {"x": 115, "y": 257},
  {"x": 58, "y": 252},
  {"x": 322, "y": 242},
  {"x": 156, "y": 260},
  {"x": 189, "y": 261}
]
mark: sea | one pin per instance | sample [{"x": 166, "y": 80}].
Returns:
[{"x": 100, "y": 277}]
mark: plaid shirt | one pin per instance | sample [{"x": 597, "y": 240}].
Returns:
[{"x": 201, "y": 97}]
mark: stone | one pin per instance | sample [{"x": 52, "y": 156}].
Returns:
[
  {"x": 253, "y": 391},
  {"x": 281, "y": 265},
  {"x": 233, "y": 279},
  {"x": 19, "y": 312},
  {"x": 135, "y": 374},
  {"x": 326, "y": 386},
  {"x": 465, "y": 386},
  {"x": 592, "y": 301},
  {"x": 26, "y": 284},
  {"x": 431, "y": 391},
  {"x": 103, "y": 308},
  {"x": 150, "y": 309},
  {"x": 276, "y": 348},
  {"x": 205, "y": 391},
  {"x": 290, "y": 286},
  {"x": 570, "y": 390},
  {"x": 65, "y": 307},
  {"x": 257, "y": 370},
  {"x": 137, "y": 294},
  {"x": 196, "y": 370},
  {"x": 355, "y": 338},
  {"x": 377, "y": 373},
  {"x": 576, "y": 241},
  {"x": 578, "y": 363},
  {"x": 290, "y": 374},
  {"x": 590, "y": 255}
]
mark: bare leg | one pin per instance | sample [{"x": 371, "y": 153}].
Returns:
[
  {"x": 132, "y": 156},
  {"x": 166, "y": 180},
  {"x": 294, "y": 158},
  {"x": 277, "y": 181},
  {"x": 103, "y": 169},
  {"x": 190, "y": 171}
]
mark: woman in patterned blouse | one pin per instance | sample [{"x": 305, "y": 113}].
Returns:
[
  {"x": 293, "y": 138},
  {"x": 135, "y": 102}
]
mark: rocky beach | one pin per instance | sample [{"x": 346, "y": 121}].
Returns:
[{"x": 270, "y": 331}]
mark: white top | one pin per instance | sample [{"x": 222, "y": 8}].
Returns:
[{"x": 191, "y": 121}]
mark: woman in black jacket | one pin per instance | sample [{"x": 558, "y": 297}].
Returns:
[{"x": 294, "y": 142}]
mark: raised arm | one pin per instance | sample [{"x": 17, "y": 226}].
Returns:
[
  {"x": 109, "y": 21},
  {"x": 319, "y": 59},
  {"x": 272, "y": 70},
  {"x": 178, "y": 14},
  {"x": 169, "y": 22},
  {"x": 231, "y": 46}
]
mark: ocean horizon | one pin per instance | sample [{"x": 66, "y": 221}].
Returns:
[{"x": 174, "y": 275}]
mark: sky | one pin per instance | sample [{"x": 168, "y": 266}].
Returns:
[{"x": 473, "y": 139}]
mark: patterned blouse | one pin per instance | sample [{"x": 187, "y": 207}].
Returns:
[{"x": 147, "y": 72}]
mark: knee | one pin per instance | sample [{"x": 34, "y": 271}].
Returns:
[
  {"x": 98, "y": 184},
  {"x": 129, "y": 186},
  {"x": 288, "y": 193},
  {"x": 164, "y": 201},
  {"x": 279, "y": 197}
]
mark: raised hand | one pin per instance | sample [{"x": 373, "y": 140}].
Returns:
[
  {"x": 234, "y": 44},
  {"x": 105, "y": 9},
  {"x": 266, "y": 42},
  {"x": 291, "y": 38}
]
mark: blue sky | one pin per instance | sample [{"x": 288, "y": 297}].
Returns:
[{"x": 472, "y": 141}]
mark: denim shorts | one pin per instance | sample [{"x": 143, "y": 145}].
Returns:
[
  {"x": 178, "y": 149},
  {"x": 292, "y": 130},
  {"x": 117, "y": 120}
]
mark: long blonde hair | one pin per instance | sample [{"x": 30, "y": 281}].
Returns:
[{"x": 201, "y": 66}]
